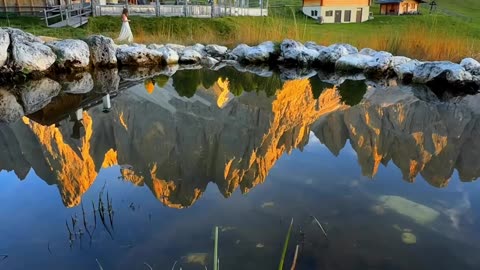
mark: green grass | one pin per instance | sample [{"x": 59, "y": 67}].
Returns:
[{"x": 398, "y": 34}]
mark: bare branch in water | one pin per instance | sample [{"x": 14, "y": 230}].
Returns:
[
  {"x": 99, "y": 265},
  {"x": 85, "y": 223},
  {"x": 48, "y": 247},
  {"x": 148, "y": 265},
  {"x": 321, "y": 227},
  {"x": 4, "y": 256},
  {"x": 175, "y": 263}
]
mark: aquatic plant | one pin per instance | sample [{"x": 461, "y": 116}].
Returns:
[{"x": 285, "y": 246}]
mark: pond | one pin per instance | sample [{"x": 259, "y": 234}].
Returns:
[{"x": 141, "y": 178}]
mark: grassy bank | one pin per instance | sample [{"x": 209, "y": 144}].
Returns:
[{"x": 428, "y": 37}]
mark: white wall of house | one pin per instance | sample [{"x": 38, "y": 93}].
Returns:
[{"x": 323, "y": 11}]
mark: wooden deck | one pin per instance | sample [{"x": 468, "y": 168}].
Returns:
[{"x": 72, "y": 22}]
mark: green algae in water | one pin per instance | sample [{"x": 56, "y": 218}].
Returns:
[
  {"x": 409, "y": 238},
  {"x": 420, "y": 213}
]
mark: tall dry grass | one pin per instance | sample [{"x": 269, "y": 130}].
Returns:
[{"x": 424, "y": 40}]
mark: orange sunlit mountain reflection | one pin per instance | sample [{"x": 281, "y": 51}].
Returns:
[{"x": 176, "y": 145}]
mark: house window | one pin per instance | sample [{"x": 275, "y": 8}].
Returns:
[
  {"x": 413, "y": 6},
  {"x": 314, "y": 13},
  {"x": 348, "y": 15},
  {"x": 329, "y": 13}
]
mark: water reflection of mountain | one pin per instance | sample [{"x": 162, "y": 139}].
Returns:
[
  {"x": 230, "y": 128},
  {"x": 412, "y": 129},
  {"x": 175, "y": 145}
]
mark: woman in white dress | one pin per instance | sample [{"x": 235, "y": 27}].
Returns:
[{"x": 125, "y": 33}]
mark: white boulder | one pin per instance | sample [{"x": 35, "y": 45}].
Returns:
[
  {"x": 138, "y": 56},
  {"x": 238, "y": 53},
  {"x": 314, "y": 46},
  {"x": 156, "y": 46},
  {"x": 31, "y": 56},
  {"x": 442, "y": 70},
  {"x": 216, "y": 50},
  {"x": 259, "y": 53},
  {"x": 353, "y": 62},
  {"x": 190, "y": 55},
  {"x": 379, "y": 63},
  {"x": 71, "y": 53},
  {"x": 19, "y": 35},
  {"x": 292, "y": 50},
  {"x": 405, "y": 71},
  {"x": 178, "y": 48},
  {"x": 471, "y": 65},
  {"x": 330, "y": 54},
  {"x": 102, "y": 50},
  {"x": 4, "y": 44},
  {"x": 170, "y": 56}
]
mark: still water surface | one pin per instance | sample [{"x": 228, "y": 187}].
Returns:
[{"x": 146, "y": 176}]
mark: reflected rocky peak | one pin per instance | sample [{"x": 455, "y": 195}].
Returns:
[
  {"x": 410, "y": 127},
  {"x": 243, "y": 122}
]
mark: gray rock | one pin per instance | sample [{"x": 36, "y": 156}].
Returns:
[
  {"x": 471, "y": 65},
  {"x": 200, "y": 48},
  {"x": 169, "y": 56},
  {"x": 259, "y": 53},
  {"x": 31, "y": 56},
  {"x": 10, "y": 110},
  {"x": 190, "y": 56},
  {"x": 71, "y": 53},
  {"x": 405, "y": 71},
  {"x": 138, "y": 56},
  {"x": 379, "y": 64},
  {"x": 156, "y": 46},
  {"x": 430, "y": 71},
  {"x": 106, "y": 80},
  {"x": 36, "y": 94},
  {"x": 178, "y": 48},
  {"x": 4, "y": 44},
  {"x": 330, "y": 55},
  {"x": 312, "y": 45},
  {"x": 367, "y": 51},
  {"x": 102, "y": 51},
  {"x": 82, "y": 83},
  {"x": 216, "y": 50},
  {"x": 19, "y": 35},
  {"x": 294, "y": 51},
  {"x": 353, "y": 62},
  {"x": 238, "y": 53},
  {"x": 209, "y": 62}
]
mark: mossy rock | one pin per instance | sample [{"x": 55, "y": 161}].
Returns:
[{"x": 419, "y": 213}]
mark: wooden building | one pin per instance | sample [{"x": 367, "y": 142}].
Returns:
[
  {"x": 399, "y": 7},
  {"x": 337, "y": 11},
  {"x": 32, "y": 7}
]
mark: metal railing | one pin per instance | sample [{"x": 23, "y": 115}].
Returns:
[
  {"x": 182, "y": 8},
  {"x": 67, "y": 15}
]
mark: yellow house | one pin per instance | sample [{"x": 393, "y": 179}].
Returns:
[
  {"x": 337, "y": 11},
  {"x": 399, "y": 7}
]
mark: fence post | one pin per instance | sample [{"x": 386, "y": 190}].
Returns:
[
  {"x": 185, "y": 8},
  {"x": 45, "y": 14},
  {"x": 157, "y": 8},
  {"x": 261, "y": 7}
]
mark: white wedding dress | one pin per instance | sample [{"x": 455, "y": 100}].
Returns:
[{"x": 125, "y": 33}]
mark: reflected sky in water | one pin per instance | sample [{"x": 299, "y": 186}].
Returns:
[{"x": 158, "y": 165}]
